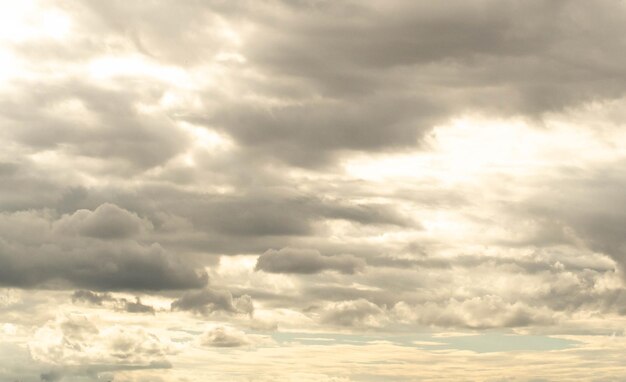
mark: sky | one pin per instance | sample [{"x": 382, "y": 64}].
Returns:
[{"x": 312, "y": 190}]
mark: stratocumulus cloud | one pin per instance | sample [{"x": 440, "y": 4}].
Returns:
[
  {"x": 294, "y": 260},
  {"x": 312, "y": 190}
]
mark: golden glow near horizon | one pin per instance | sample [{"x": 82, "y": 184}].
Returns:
[{"x": 312, "y": 191}]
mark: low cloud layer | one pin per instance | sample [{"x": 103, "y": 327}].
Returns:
[
  {"x": 286, "y": 190},
  {"x": 94, "y": 249},
  {"x": 306, "y": 261},
  {"x": 224, "y": 338},
  {"x": 207, "y": 301}
]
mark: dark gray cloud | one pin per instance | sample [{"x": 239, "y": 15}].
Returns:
[
  {"x": 91, "y": 297},
  {"x": 208, "y": 300},
  {"x": 277, "y": 208},
  {"x": 306, "y": 261},
  {"x": 118, "y": 303},
  {"x": 130, "y": 266},
  {"x": 31, "y": 186},
  {"x": 582, "y": 211},
  {"x": 40, "y": 249},
  {"x": 108, "y": 221},
  {"x": 373, "y": 76},
  {"x": 291, "y": 133},
  {"x": 321, "y": 78},
  {"x": 156, "y": 139},
  {"x": 274, "y": 212},
  {"x": 466, "y": 40},
  {"x": 250, "y": 221},
  {"x": 137, "y": 306},
  {"x": 81, "y": 119}
]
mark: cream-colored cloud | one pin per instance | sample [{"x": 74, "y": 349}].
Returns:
[
  {"x": 286, "y": 190},
  {"x": 75, "y": 340}
]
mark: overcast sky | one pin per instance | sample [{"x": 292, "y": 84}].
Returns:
[{"x": 312, "y": 190}]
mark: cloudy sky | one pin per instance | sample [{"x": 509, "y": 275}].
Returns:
[{"x": 312, "y": 190}]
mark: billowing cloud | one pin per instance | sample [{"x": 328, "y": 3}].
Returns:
[
  {"x": 402, "y": 173},
  {"x": 354, "y": 313},
  {"x": 90, "y": 122},
  {"x": 137, "y": 306},
  {"x": 224, "y": 338},
  {"x": 207, "y": 301},
  {"x": 87, "y": 249},
  {"x": 76, "y": 340},
  {"x": 108, "y": 221}
]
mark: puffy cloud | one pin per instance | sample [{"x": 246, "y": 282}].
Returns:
[
  {"x": 118, "y": 303},
  {"x": 207, "y": 301},
  {"x": 139, "y": 155},
  {"x": 82, "y": 120},
  {"x": 306, "y": 261},
  {"x": 225, "y": 338},
  {"x": 108, "y": 221},
  {"x": 483, "y": 312},
  {"x": 87, "y": 249},
  {"x": 137, "y": 306},
  {"x": 75, "y": 340},
  {"x": 91, "y": 297},
  {"x": 354, "y": 313}
]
